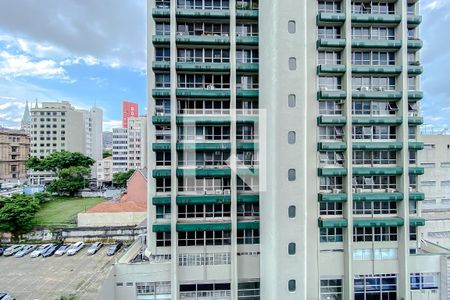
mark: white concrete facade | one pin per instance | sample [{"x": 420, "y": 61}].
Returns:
[
  {"x": 137, "y": 142},
  {"x": 105, "y": 170},
  {"x": 93, "y": 122},
  {"x": 120, "y": 149}
]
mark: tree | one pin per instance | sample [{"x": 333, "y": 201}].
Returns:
[
  {"x": 107, "y": 153},
  {"x": 70, "y": 181},
  {"x": 42, "y": 197},
  {"x": 17, "y": 213},
  {"x": 120, "y": 178},
  {"x": 59, "y": 160}
]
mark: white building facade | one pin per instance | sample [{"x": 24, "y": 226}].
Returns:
[
  {"x": 137, "y": 143},
  {"x": 120, "y": 149}
]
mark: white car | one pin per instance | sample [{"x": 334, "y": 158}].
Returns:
[
  {"x": 12, "y": 250},
  {"x": 62, "y": 250},
  {"x": 75, "y": 248},
  {"x": 41, "y": 249}
]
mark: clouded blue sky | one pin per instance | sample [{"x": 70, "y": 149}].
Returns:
[{"x": 93, "y": 52}]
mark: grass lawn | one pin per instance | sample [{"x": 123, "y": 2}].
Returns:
[{"x": 62, "y": 211}]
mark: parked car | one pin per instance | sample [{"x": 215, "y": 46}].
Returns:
[
  {"x": 62, "y": 249},
  {"x": 40, "y": 250},
  {"x": 25, "y": 251},
  {"x": 94, "y": 248},
  {"x": 4, "y": 296},
  {"x": 75, "y": 248},
  {"x": 114, "y": 248},
  {"x": 1, "y": 251},
  {"x": 12, "y": 250},
  {"x": 51, "y": 250}
]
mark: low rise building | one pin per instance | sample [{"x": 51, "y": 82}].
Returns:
[
  {"x": 14, "y": 152},
  {"x": 104, "y": 171}
]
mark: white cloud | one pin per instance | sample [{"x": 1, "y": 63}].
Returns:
[
  {"x": 434, "y": 4},
  {"x": 22, "y": 65},
  {"x": 110, "y": 124}
]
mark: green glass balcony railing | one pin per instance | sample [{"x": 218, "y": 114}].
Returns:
[
  {"x": 209, "y": 67},
  {"x": 377, "y": 69},
  {"x": 160, "y": 39},
  {"x": 382, "y": 95},
  {"x": 415, "y": 70},
  {"x": 247, "y": 40},
  {"x": 416, "y": 171},
  {"x": 415, "y": 95},
  {"x": 376, "y": 18},
  {"x": 378, "y": 222},
  {"x": 331, "y": 44},
  {"x": 159, "y": 13},
  {"x": 247, "y": 67},
  {"x": 340, "y": 197},
  {"x": 250, "y": 14},
  {"x": 247, "y": 93},
  {"x": 158, "y": 93},
  {"x": 415, "y": 120},
  {"x": 414, "y": 20},
  {"x": 161, "y": 65},
  {"x": 158, "y": 147},
  {"x": 417, "y": 221},
  {"x": 203, "y": 13},
  {"x": 415, "y": 145},
  {"x": 377, "y": 44},
  {"x": 332, "y": 223},
  {"x": 377, "y": 171},
  {"x": 415, "y": 44},
  {"x": 416, "y": 196},
  {"x": 335, "y": 95},
  {"x": 377, "y": 145},
  {"x": 376, "y": 120},
  {"x": 330, "y": 18},
  {"x": 330, "y": 69},
  {"x": 396, "y": 196},
  {"x": 325, "y": 172},
  {"x": 213, "y": 93},
  {"x": 330, "y": 146},
  {"x": 202, "y": 40},
  {"x": 203, "y": 120},
  {"x": 331, "y": 120}
]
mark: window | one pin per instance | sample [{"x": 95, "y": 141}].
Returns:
[
  {"x": 292, "y": 211},
  {"x": 330, "y": 6},
  {"x": 330, "y": 83},
  {"x": 329, "y": 32},
  {"x": 291, "y": 248},
  {"x": 331, "y": 235},
  {"x": 413, "y": 233},
  {"x": 331, "y": 184},
  {"x": 249, "y": 290},
  {"x": 330, "y": 208},
  {"x": 163, "y": 239},
  {"x": 292, "y": 63},
  {"x": 204, "y": 238},
  {"x": 329, "y": 58},
  {"x": 330, "y": 288},
  {"x": 248, "y": 236},
  {"x": 331, "y": 158},
  {"x": 291, "y": 137},
  {"x": 425, "y": 281},
  {"x": 376, "y": 286},
  {"x": 292, "y": 100},
  {"x": 163, "y": 211},
  {"x": 291, "y": 285},
  {"x": 375, "y": 254},
  {"x": 291, "y": 26},
  {"x": 428, "y": 165},
  {"x": 375, "y": 208},
  {"x": 330, "y": 108},
  {"x": 291, "y": 175},
  {"x": 374, "y": 234}
]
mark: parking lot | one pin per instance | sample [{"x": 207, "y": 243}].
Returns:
[{"x": 52, "y": 277}]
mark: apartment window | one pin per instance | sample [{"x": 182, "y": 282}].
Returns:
[
  {"x": 198, "y": 29},
  {"x": 162, "y": 54},
  {"x": 373, "y": 8},
  {"x": 330, "y": 108},
  {"x": 162, "y": 28},
  {"x": 374, "y": 132},
  {"x": 160, "y": 290},
  {"x": 412, "y": 132},
  {"x": 291, "y": 175},
  {"x": 329, "y": 32},
  {"x": 413, "y": 157},
  {"x": 291, "y": 137},
  {"x": 332, "y": 6},
  {"x": 292, "y": 211},
  {"x": 163, "y": 158},
  {"x": 424, "y": 281},
  {"x": 291, "y": 248},
  {"x": 204, "y": 211},
  {"x": 248, "y": 210},
  {"x": 413, "y": 233},
  {"x": 245, "y": 29},
  {"x": 204, "y": 259},
  {"x": 249, "y": 290},
  {"x": 247, "y": 82},
  {"x": 331, "y": 132},
  {"x": 375, "y": 254},
  {"x": 291, "y": 26},
  {"x": 376, "y": 286},
  {"x": 331, "y": 158},
  {"x": 331, "y": 184},
  {"x": 291, "y": 285},
  {"x": 330, "y": 83},
  {"x": 204, "y": 185},
  {"x": 162, "y": 3},
  {"x": 376, "y": 108},
  {"x": 292, "y": 100},
  {"x": 375, "y": 208},
  {"x": 163, "y": 185},
  {"x": 374, "y": 234},
  {"x": 204, "y": 238},
  {"x": 331, "y": 235},
  {"x": 373, "y": 33},
  {"x": 203, "y": 4},
  {"x": 163, "y": 239},
  {"x": 374, "y": 158},
  {"x": 329, "y": 58},
  {"x": 331, "y": 288},
  {"x": 203, "y": 81},
  {"x": 373, "y": 83},
  {"x": 412, "y": 207},
  {"x": 412, "y": 83},
  {"x": 248, "y": 236},
  {"x": 373, "y": 58},
  {"x": 374, "y": 183},
  {"x": 247, "y": 55},
  {"x": 203, "y": 55},
  {"x": 162, "y": 80},
  {"x": 163, "y": 211},
  {"x": 330, "y": 208}
]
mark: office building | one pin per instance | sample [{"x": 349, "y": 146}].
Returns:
[
  {"x": 129, "y": 109},
  {"x": 93, "y": 126},
  {"x": 14, "y": 152},
  {"x": 137, "y": 143},
  {"x": 319, "y": 197},
  {"x": 120, "y": 149}
]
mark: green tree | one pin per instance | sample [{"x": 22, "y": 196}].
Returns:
[
  {"x": 17, "y": 213},
  {"x": 107, "y": 153},
  {"x": 120, "y": 178},
  {"x": 42, "y": 197},
  {"x": 70, "y": 181},
  {"x": 59, "y": 160}
]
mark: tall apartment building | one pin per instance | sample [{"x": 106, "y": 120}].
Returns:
[
  {"x": 93, "y": 127},
  {"x": 120, "y": 149},
  {"x": 320, "y": 199},
  {"x": 137, "y": 143},
  {"x": 14, "y": 152}
]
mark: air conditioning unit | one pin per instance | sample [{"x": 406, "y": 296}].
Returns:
[
  {"x": 365, "y": 88},
  {"x": 219, "y": 192},
  {"x": 336, "y": 191},
  {"x": 359, "y": 190},
  {"x": 226, "y": 192},
  {"x": 390, "y": 190},
  {"x": 411, "y": 189}
]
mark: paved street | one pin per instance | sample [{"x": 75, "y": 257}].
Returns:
[{"x": 50, "y": 278}]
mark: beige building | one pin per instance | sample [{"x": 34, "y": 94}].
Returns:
[
  {"x": 14, "y": 152},
  {"x": 104, "y": 170},
  {"x": 137, "y": 142}
]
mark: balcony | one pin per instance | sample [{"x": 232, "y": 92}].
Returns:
[
  {"x": 416, "y": 145},
  {"x": 415, "y": 120},
  {"x": 202, "y": 13},
  {"x": 414, "y": 20},
  {"x": 331, "y": 146},
  {"x": 326, "y": 172},
  {"x": 247, "y": 67},
  {"x": 206, "y": 199},
  {"x": 332, "y": 223},
  {"x": 415, "y": 70},
  {"x": 377, "y": 171},
  {"x": 161, "y": 93},
  {"x": 416, "y": 171},
  {"x": 378, "y": 222},
  {"x": 330, "y": 69},
  {"x": 379, "y": 95},
  {"x": 160, "y": 39},
  {"x": 202, "y": 40},
  {"x": 248, "y": 14},
  {"x": 377, "y": 69},
  {"x": 331, "y": 120},
  {"x": 377, "y": 146},
  {"x": 376, "y": 18},
  {"x": 377, "y": 44},
  {"x": 416, "y": 196},
  {"x": 161, "y": 13},
  {"x": 161, "y": 65},
  {"x": 334, "y": 95},
  {"x": 330, "y": 44},
  {"x": 325, "y": 18},
  {"x": 415, "y": 95},
  {"x": 203, "y": 119},
  {"x": 200, "y": 66},
  {"x": 205, "y": 146},
  {"x": 203, "y": 93},
  {"x": 374, "y": 120},
  {"x": 329, "y": 197},
  {"x": 243, "y": 93},
  {"x": 206, "y": 295},
  {"x": 415, "y": 44},
  {"x": 247, "y": 40},
  {"x": 395, "y": 196}
]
